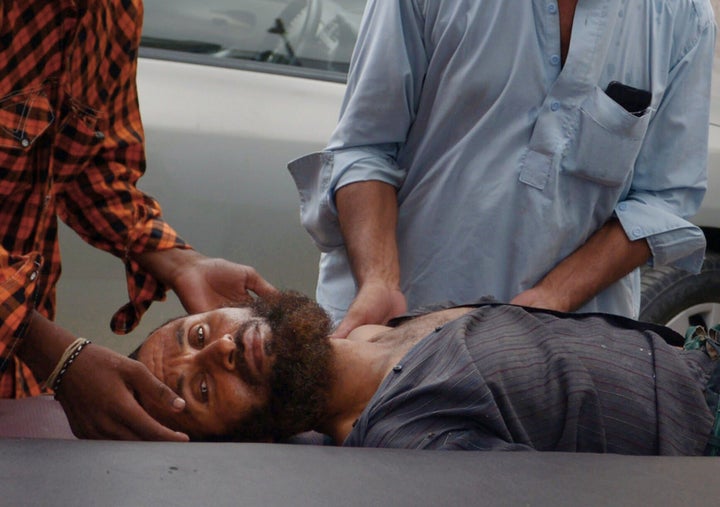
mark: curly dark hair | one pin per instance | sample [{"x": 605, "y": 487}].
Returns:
[{"x": 300, "y": 379}]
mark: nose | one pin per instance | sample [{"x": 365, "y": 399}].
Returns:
[{"x": 221, "y": 352}]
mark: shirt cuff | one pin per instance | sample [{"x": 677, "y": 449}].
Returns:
[
  {"x": 143, "y": 288},
  {"x": 673, "y": 241},
  {"x": 18, "y": 283},
  {"x": 319, "y": 175},
  {"x": 356, "y": 165}
]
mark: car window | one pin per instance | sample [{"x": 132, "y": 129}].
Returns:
[{"x": 313, "y": 34}]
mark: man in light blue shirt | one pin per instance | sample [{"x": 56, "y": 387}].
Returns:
[{"x": 481, "y": 149}]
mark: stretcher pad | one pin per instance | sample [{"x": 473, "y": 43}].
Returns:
[{"x": 63, "y": 471}]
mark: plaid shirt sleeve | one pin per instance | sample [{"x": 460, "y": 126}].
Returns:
[
  {"x": 18, "y": 286},
  {"x": 71, "y": 145},
  {"x": 102, "y": 202}
]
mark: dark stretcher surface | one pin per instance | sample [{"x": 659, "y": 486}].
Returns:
[{"x": 49, "y": 468}]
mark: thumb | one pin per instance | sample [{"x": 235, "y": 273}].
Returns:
[
  {"x": 260, "y": 286},
  {"x": 155, "y": 396},
  {"x": 345, "y": 327},
  {"x": 149, "y": 407}
]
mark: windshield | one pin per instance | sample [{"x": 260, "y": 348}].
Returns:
[{"x": 317, "y": 34}]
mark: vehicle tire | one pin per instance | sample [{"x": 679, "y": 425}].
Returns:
[{"x": 679, "y": 299}]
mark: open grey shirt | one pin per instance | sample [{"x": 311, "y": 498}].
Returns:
[{"x": 505, "y": 378}]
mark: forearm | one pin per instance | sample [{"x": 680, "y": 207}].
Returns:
[
  {"x": 100, "y": 390},
  {"x": 203, "y": 283},
  {"x": 367, "y": 213},
  {"x": 167, "y": 265},
  {"x": 42, "y": 345},
  {"x": 604, "y": 259}
]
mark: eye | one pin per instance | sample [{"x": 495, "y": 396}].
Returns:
[{"x": 199, "y": 337}]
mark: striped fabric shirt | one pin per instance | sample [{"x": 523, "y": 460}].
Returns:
[
  {"x": 504, "y": 378},
  {"x": 71, "y": 146}
]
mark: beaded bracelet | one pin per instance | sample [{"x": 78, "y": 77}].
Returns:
[{"x": 65, "y": 362}]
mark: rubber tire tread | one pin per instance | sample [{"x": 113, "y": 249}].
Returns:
[{"x": 667, "y": 291}]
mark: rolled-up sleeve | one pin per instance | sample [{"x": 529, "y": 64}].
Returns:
[
  {"x": 102, "y": 202},
  {"x": 19, "y": 279},
  {"x": 671, "y": 172},
  {"x": 380, "y": 106},
  {"x": 317, "y": 177}
]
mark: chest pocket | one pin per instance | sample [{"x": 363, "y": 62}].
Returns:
[
  {"x": 606, "y": 143},
  {"x": 80, "y": 138},
  {"x": 24, "y": 117}
]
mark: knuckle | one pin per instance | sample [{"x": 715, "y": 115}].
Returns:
[
  {"x": 162, "y": 391},
  {"x": 136, "y": 369}
]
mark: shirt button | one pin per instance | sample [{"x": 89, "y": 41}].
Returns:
[
  {"x": 552, "y": 8},
  {"x": 33, "y": 276},
  {"x": 554, "y": 59},
  {"x": 555, "y": 106},
  {"x": 25, "y": 142},
  {"x": 397, "y": 368},
  {"x": 622, "y": 206},
  {"x": 637, "y": 232},
  {"x": 99, "y": 135}
]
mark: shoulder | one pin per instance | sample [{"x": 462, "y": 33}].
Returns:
[
  {"x": 703, "y": 9},
  {"x": 679, "y": 25},
  {"x": 693, "y": 16}
]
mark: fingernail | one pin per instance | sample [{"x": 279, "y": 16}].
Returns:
[{"x": 178, "y": 403}]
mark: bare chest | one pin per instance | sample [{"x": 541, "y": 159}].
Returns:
[
  {"x": 567, "y": 13},
  {"x": 402, "y": 338}
]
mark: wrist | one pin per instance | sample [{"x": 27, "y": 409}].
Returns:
[
  {"x": 542, "y": 296},
  {"x": 168, "y": 265},
  {"x": 68, "y": 358},
  {"x": 386, "y": 283},
  {"x": 43, "y": 345}
]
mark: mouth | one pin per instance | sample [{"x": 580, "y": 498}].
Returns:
[{"x": 251, "y": 348}]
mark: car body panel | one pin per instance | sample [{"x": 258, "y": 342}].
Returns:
[{"x": 709, "y": 213}]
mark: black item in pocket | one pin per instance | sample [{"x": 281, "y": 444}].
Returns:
[{"x": 633, "y": 100}]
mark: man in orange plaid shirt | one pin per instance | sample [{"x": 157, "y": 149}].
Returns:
[{"x": 71, "y": 145}]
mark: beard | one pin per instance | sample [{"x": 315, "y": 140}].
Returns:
[{"x": 301, "y": 378}]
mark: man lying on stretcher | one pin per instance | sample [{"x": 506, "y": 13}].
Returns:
[{"x": 485, "y": 376}]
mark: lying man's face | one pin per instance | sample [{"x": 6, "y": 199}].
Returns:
[{"x": 249, "y": 373}]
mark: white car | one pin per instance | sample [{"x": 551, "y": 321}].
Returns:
[{"x": 230, "y": 91}]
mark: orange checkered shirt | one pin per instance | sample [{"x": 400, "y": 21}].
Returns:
[{"x": 71, "y": 145}]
